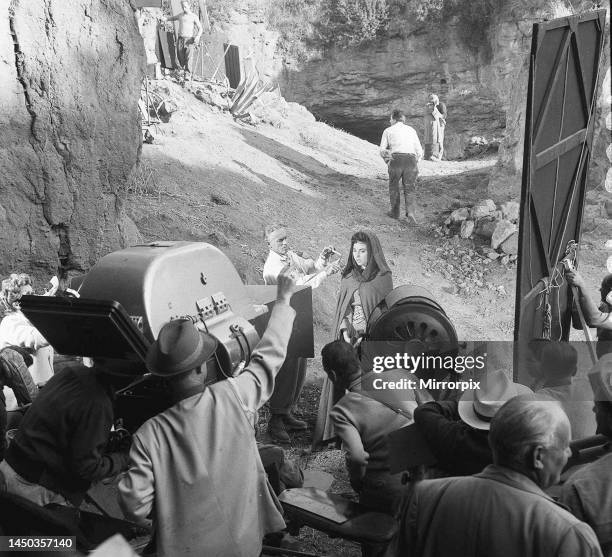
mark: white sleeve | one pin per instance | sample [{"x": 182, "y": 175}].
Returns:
[{"x": 384, "y": 142}]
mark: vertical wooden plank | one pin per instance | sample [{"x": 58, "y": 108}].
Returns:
[{"x": 232, "y": 64}]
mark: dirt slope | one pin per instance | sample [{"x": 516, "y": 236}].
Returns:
[
  {"x": 208, "y": 178},
  {"x": 211, "y": 179}
]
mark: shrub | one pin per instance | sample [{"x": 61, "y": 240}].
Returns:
[{"x": 352, "y": 22}]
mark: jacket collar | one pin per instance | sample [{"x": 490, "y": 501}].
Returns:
[
  {"x": 273, "y": 256},
  {"x": 514, "y": 479}
]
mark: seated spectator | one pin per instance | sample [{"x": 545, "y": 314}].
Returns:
[
  {"x": 363, "y": 418},
  {"x": 503, "y": 511},
  {"x": 600, "y": 317},
  {"x": 16, "y": 330},
  {"x": 14, "y": 374},
  {"x": 557, "y": 380},
  {"x": 588, "y": 492},
  {"x": 60, "y": 447},
  {"x": 195, "y": 472},
  {"x": 458, "y": 432}
]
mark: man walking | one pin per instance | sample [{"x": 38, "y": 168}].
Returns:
[
  {"x": 190, "y": 31},
  {"x": 401, "y": 149}
]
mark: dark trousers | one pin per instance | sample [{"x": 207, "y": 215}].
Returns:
[
  {"x": 402, "y": 168},
  {"x": 184, "y": 52},
  {"x": 288, "y": 385}
]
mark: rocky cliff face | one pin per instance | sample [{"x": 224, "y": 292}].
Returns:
[
  {"x": 70, "y": 75},
  {"x": 485, "y": 91}
]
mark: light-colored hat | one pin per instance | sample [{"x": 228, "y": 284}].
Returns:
[
  {"x": 601, "y": 378},
  {"x": 478, "y": 406},
  {"x": 179, "y": 347}
]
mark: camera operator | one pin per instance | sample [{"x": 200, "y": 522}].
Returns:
[
  {"x": 292, "y": 375},
  {"x": 195, "y": 470},
  {"x": 601, "y": 317},
  {"x": 61, "y": 447}
]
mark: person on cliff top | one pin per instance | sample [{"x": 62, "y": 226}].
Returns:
[
  {"x": 190, "y": 31},
  {"x": 401, "y": 149},
  {"x": 435, "y": 123}
]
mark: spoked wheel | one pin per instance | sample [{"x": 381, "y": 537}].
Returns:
[{"x": 409, "y": 321}]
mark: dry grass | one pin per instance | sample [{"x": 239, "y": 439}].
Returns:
[{"x": 143, "y": 182}]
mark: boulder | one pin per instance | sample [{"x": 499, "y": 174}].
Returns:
[
  {"x": 485, "y": 227},
  {"x": 510, "y": 211},
  {"x": 459, "y": 215},
  {"x": 503, "y": 230},
  {"x": 510, "y": 244},
  {"x": 467, "y": 227},
  {"x": 71, "y": 74},
  {"x": 483, "y": 209}
]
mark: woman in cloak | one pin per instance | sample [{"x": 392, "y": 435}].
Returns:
[{"x": 366, "y": 280}]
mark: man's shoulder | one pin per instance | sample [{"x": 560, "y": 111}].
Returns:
[{"x": 599, "y": 471}]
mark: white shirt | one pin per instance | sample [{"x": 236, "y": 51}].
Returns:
[
  {"x": 400, "y": 138},
  {"x": 15, "y": 329},
  {"x": 303, "y": 271}
]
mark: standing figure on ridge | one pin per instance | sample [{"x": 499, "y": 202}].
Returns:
[
  {"x": 190, "y": 31},
  {"x": 435, "y": 122}
]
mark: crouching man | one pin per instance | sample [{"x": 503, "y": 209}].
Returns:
[
  {"x": 195, "y": 473},
  {"x": 62, "y": 445}
]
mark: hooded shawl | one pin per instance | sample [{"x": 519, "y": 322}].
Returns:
[{"x": 374, "y": 283}]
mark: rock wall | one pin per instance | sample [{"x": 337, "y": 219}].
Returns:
[
  {"x": 507, "y": 74},
  {"x": 357, "y": 88},
  {"x": 70, "y": 75},
  {"x": 486, "y": 91}
]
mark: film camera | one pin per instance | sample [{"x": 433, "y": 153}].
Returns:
[{"x": 128, "y": 296}]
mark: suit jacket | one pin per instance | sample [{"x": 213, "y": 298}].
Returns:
[{"x": 499, "y": 513}]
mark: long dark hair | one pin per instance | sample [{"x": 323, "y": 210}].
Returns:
[{"x": 377, "y": 263}]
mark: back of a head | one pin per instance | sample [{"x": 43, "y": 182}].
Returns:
[
  {"x": 340, "y": 357},
  {"x": 558, "y": 360},
  {"x": 606, "y": 286},
  {"x": 522, "y": 423},
  {"x": 398, "y": 115}
]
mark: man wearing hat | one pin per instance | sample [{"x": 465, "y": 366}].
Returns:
[
  {"x": 195, "y": 471},
  {"x": 588, "y": 492},
  {"x": 503, "y": 511},
  {"x": 458, "y": 432}
]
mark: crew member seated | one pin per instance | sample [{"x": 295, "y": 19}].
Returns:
[
  {"x": 363, "y": 418},
  {"x": 60, "y": 447},
  {"x": 503, "y": 511},
  {"x": 556, "y": 378},
  {"x": 195, "y": 473},
  {"x": 588, "y": 492},
  {"x": 458, "y": 432}
]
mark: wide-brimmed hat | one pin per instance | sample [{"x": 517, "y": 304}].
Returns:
[
  {"x": 478, "y": 406},
  {"x": 179, "y": 347},
  {"x": 601, "y": 378}
]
